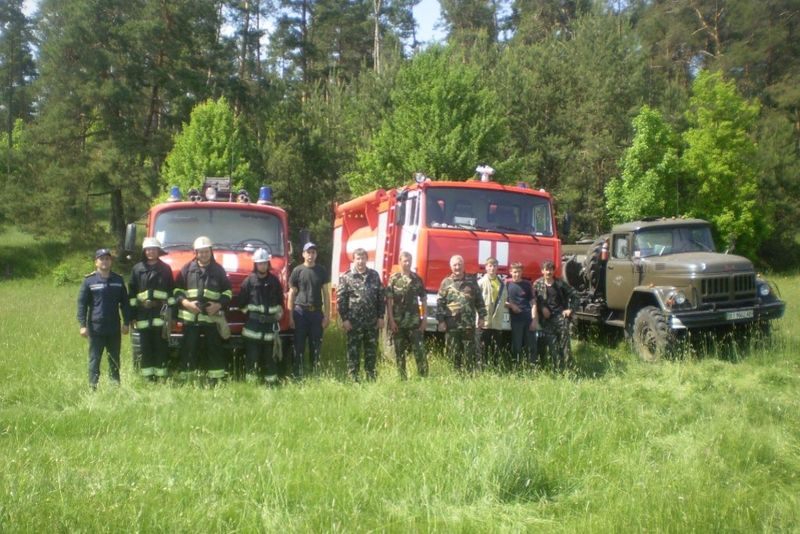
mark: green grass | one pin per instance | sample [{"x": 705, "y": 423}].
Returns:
[{"x": 700, "y": 444}]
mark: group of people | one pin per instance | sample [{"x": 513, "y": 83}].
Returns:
[{"x": 469, "y": 311}]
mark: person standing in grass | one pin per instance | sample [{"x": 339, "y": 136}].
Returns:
[
  {"x": 405, "y": 297},
  {"x": 521, "y": 303},
  {"x": 309, "y": 309},
  {"x": 151, "y": 286},
  {"x": 556, "y": 300},
  {"x": 202, "y": 291},
  {"x": 458, "y": 306},
  {"x": 360, "y": 300},
  {"x": 494, "y": 297},
  {"x": 101, "y": 300},
  {"x": 261, "y": 297}
]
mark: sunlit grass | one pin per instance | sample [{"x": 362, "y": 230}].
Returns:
[{"x": 700, "y": 444}]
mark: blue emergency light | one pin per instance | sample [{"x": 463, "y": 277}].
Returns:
[
  {"x": 265, "y": 195},
  {"x": 174, "y": 194}
]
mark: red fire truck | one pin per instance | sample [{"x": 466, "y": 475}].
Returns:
[
  {"x": 236, "y": 226},
  {"x": 435, "y": 220}
]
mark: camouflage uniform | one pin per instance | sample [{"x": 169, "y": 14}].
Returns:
[
  {"x": 556, "y": 328},
  {"x": 360, "y": 299},
  {"x": 404, "y": 290},
  {"x": 458, "y": 303}
]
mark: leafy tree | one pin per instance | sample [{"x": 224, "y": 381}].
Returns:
[
  {"x": 651, "y": 168},
  {"x": 720, "y": 160},
  {"x": 211, "y": 144},
  {"x": 443, "y": 122},
  {"x": 17, "y": 68},
  {"x": 470, "y": 22}
]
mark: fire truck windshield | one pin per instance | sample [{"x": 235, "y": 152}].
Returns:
[
  {"x": 494, "y": 211},
  {"x": 227, "y": 228}
]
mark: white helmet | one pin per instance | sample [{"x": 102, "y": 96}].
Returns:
[
  {"x": 152, "y": 242},
  {"x": 202, "y": 242},
  {"x": 261, "y": 255}
]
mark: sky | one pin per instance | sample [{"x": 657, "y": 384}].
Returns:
[{"x": 427, "y": 14}]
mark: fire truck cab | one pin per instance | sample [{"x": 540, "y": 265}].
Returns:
[
  {"x": 435, "y": 220},
  {"x": 236, "y": 226}
]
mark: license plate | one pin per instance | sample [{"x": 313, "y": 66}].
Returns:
[{"x": 743, "y": 314}]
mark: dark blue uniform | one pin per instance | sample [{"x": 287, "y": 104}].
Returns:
[{"x": 100, "y": 302}]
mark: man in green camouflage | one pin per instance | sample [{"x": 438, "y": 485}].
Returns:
[
  {"x": 361, "y": 303},
  {"x": 460, "y": 301},
  {"x": 556, "y": 300},
  {"x": 405, "y": 297}
]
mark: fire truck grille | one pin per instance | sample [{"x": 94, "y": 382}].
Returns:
[{"x": 730, "y": 288}]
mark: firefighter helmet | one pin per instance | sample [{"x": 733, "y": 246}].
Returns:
[
  {"x": 202, "y": 242},
  {"x": 261, "y": 255},
  {"x": 152, "y": 242}
]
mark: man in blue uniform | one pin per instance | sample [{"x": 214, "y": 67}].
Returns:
[{"x": 101, "y": 299}]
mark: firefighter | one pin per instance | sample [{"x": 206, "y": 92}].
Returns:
[
  {"x": 101, "y": 299},
  {"x": 150, "y": 288},
  {"x": 361, "y": 302},
  {"x": 556, "y": 301},
  {"x": 261, "y": 297},
  {"x": 458, "y": 306},
  {"x": 405, "y": 297},
  {"x": 202, "y": 291}
]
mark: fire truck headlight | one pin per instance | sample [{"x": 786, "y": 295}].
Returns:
[{"x": 211, "y": 193}]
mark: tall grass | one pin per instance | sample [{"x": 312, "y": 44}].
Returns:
[{"x": 699, "y": 444}]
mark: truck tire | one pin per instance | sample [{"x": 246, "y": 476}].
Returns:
[{"x": 651, "y": 337}]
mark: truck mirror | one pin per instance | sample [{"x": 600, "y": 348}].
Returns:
[
  {"x": 566, "y": 224},
  {"x": 130, "y": 237}
]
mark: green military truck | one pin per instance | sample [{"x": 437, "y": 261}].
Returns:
[{"x": 658, "y": 279}]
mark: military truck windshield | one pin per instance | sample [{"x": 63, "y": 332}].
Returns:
[
  {"x": 231, "y": 229},
  {"x": 663, "y": 241},
  {"x": 477, "y": 209}
]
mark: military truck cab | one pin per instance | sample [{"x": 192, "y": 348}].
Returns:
[{"x": 660, "y": 278}]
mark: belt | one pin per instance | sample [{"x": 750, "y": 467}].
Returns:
[
  {"x": 262, "y": 318},
  {"x": 308, "y": 307},
  {"x": 151, "y": 304}
]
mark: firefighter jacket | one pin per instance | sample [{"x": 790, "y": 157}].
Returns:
[
  {"x": 205, "y": 285},
  {"x": 459, "y": 302},
  {"x": 262, "y": 299},
  {"x": 494, "y": 297},
  {"x": 360, "y": 298},
  {"x": 100, "y": 302},
  {"x": 150, "y": 290}
]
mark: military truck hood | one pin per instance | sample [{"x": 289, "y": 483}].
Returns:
[{"x": 699, "y": 263}]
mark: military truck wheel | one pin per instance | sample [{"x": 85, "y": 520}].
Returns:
[{"x": 651, "y": 338}]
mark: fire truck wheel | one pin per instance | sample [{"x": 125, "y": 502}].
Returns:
[{"x": 651, "y": 337}]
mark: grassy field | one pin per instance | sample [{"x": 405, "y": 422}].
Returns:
[{"x": 697, "y": 445}]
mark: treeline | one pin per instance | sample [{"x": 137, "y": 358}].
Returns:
[{"x": 619, "y": 108}]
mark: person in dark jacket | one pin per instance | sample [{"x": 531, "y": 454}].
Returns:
[
  {"x": 261, "y": 297},
  {"x": 150, "y": 288},
  {"x": 101, "y": 299},
  {"x": 202, "y": 293}
]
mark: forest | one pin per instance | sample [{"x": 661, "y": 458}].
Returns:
[{"x": 620, "y": 109}]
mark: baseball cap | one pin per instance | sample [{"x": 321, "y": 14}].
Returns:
[
  {"x": 308, "y": 246},
  {"x": 100, "y": 252}
]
